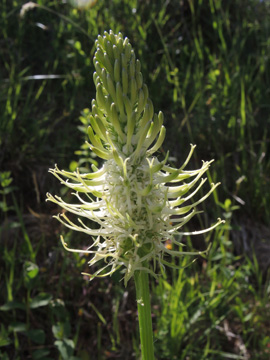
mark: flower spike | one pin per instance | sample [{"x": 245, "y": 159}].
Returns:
[{"x": 138, "y": 201}]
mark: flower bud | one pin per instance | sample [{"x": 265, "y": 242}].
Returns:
[
  {"x": 116, "y": 71},
  {"x": 125, "y": 80}
]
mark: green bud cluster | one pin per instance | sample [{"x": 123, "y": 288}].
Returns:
[{"x": 123, "y": 119}]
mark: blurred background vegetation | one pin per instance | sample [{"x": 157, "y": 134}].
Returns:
[{"x": 206, "y": 63}]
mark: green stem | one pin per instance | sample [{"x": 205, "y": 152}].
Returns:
[{"x": 144, "y": 314}]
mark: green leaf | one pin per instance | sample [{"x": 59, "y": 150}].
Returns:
[
  {"x": 40, "y": 354},
  {"x": 65, "y": 347},
  {"x": 41, "y": 299},
  {"x": 4, "y": 339},
  {"x": 4, "y": 356},
  {"x": 17, "y": 327},
  {"x": 11, "y": 305},
  {"x": 73, "y": 165},
  {"x": 8, "y": 190},
  {"x": 61, "y": 330},
  {"x": 248, "y": 317},
  {"x": 37, "y": 336},
  {"x": 84, "y": 355},
  {"x": 5, "y": 178},
  {"x": 4, "y": 207},
  {"x": 31, "y": 271}
]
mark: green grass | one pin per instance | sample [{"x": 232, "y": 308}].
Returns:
[{"x": 206, "y": 64}]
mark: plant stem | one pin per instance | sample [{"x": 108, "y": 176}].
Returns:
[{"x": 144, "y": 314}]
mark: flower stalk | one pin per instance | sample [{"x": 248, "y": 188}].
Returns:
[{"x": 144, "y": 314}]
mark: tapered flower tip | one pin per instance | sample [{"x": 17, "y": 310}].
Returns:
[{"x": 122, "y": 116}]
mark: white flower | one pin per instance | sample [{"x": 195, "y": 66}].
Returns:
[
  {"x": 27, "y": 7},
  {"x": 138, "y": 201}
]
